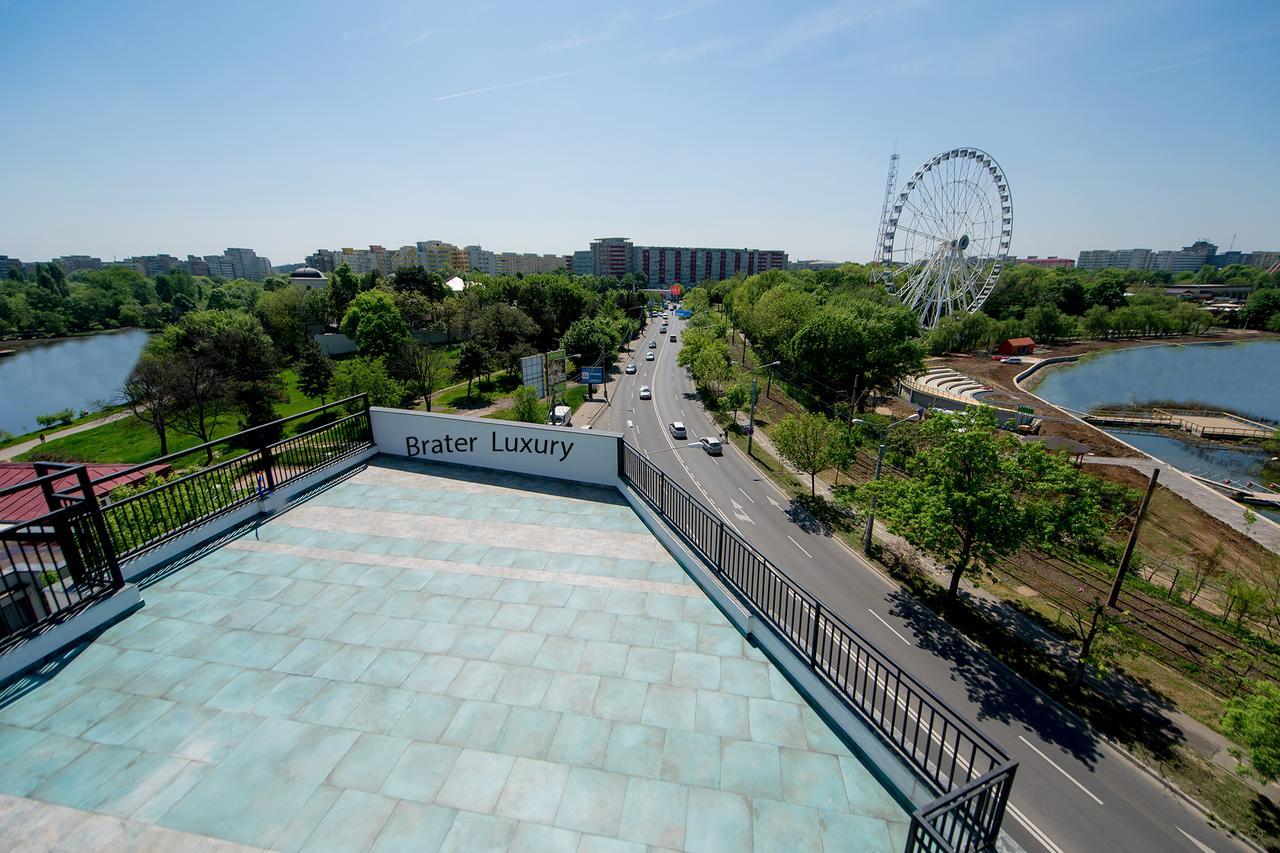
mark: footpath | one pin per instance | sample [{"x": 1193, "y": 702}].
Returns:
[
  {"x": 1196, "y": 735},
  {"x": 15, "y": 450}
]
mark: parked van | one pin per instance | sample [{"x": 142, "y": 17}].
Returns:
[{"x": 561, "y": 416}]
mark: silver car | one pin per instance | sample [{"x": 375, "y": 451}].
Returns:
[
  {"x": 645, "y": 393},
  {"x": 712, "y": 446}
]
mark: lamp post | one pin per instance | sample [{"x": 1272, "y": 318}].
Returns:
[
  {"x": 871, "y": 507},
  {"x": 751, "y": 418}
]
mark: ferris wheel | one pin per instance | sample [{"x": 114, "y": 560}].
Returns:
[{"x": 945, "y": 239}]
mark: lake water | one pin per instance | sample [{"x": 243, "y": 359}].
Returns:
[
  {"x": 74, "y": 374},
  {"x": 1243, "y": 378}
]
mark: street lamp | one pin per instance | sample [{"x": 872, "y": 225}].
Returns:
[
  {"x": 649, "y": 453},
  {"x": 884, "y": 436},
  {"x": 751, "y": 418}
]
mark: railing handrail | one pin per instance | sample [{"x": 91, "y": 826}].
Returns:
[
  {"x": 835, "y": 619},
  {"x": 965, "y": 817},
  {"x": 141, "y": 466},
  {"x": 68, "y": 470}
]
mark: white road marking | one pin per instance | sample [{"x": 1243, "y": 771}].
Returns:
[
  {"x": 1198, "y": 844},
  {"x": 738, "y": 511},
  {"x": 1036, "y": 832},
  {"x": 747, "y": 496},
  {"x": 1054, "y": 765},
  {"x": 801, "y": 547},
  {"x": 776, "y": 505},
  {"x": 890, "y": 627}
]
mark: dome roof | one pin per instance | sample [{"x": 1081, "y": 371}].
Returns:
[{"x": 306, "y": 272}]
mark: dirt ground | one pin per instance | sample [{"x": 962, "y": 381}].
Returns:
[{"x": 1175, "y": 530}]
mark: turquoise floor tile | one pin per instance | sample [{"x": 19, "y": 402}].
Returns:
[
  {"x": 654, "y": 813},
  {"x": 352, "y": 823},
  {"x": 719, "y": 820},
  {"x": 414, "y": 827},
  {"x": 580, "y": 740},
  {"x": 776, "y": 722},
  {"x": 620, "y": 700},
  {"x": 635, "y": 750},
  {"x": 304, "y": 822},
  {"x": 334, "y": 703},
  {"x": 750, "y": 768},
  {"x": 691, "y": 758},
  {"x": 289, "y": 696},
  {"x": 533, "y": 791},
  {"x": 85, "y": 710},
  {"x": 202, "y": 683},
  {"x": 472, "y": 832},
  {"x": 785, "y": 827},
  {"x": 536, "y": 838},
  {"x": 258, "y": 789},
  {"x": 476, "y": 725},
  {"x": 592, "y": 802},
  {"x": 812, "y": 779},
  {"x": 129, "y": 719},
  {"x": 244, "y": 691},
  {"x": 427, "y": 718},
  {"x": 369, "y": 762},
  {"x": 421, "y": 771},
  {"x": 846, "y": 833},
  {"x": 528, "y": 732},
  {"x": 43, "y": 758},
  {"x": 380, "y": 711}
]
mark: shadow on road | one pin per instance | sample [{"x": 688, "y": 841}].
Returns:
[{"x": 1127, "y": 711}]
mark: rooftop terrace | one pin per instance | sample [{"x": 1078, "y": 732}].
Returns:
[{"x": 424, "y": 657}]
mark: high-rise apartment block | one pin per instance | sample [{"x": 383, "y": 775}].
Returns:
[
  {"x": 7, "y": 263},
  {"x": 73, "y": 263},
  {"x": 664, "y": 265},
  {"x": 1187, "y": 259}
]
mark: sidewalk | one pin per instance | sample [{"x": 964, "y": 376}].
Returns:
[
  {"x": 1197, "y": 736},
  {"x": 14, "y": 450}
]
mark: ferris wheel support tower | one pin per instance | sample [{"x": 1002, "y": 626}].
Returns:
[{"x": 880, "y": 256}]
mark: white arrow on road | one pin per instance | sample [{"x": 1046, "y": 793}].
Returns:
[
  {"x": 776, "y": 505},
  {"x": 738, "y": 512}
]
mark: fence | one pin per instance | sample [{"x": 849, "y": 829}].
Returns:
[
  {"x": 141, "y": 521},
  {"x": 57, "y": 564},
  {"x": 54, "y": 566},
  {"x": 972, "y": 775}
]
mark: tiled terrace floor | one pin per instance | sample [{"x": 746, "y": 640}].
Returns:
[{"x": 423, "y": 657}]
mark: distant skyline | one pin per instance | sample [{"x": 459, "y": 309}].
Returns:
[{"x": 136, "y": 128}]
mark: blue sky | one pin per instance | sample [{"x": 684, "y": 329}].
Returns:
[{"x": 141, "y": 127}]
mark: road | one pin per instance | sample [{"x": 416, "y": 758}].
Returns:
[{"x": 1073, "y": 791}]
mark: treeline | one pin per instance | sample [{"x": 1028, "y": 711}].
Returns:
[
  {"x": 838, "y": 336},
  {"x": 222, "y": 356},
  {"x": 1055, "y": 304}
]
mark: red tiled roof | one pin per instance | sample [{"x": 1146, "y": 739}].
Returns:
[
  {"x": 1021, "y": 342},
  {"x": 27, "y": 504}
]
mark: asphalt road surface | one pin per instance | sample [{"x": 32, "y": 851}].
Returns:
[{"x": 1073, "y": 792}]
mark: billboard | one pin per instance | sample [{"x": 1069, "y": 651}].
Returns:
[
  {"x": 557, "y": 376},
  {"x": 533, "y": 372},
  {"x": 592, "y": 376}
]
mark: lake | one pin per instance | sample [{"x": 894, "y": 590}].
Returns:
[
  {"x": 1243, "y": 378},
  {"x": 74, "y": 373}
]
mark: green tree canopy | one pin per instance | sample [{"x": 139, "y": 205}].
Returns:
[
  {"x": 806, "y": 442},
  {"x": 867, "y": 348},
  {"x": 364, "y": 375},
  {"x": 1253, "y": 721},
  {"x": 373, "y": 321}
]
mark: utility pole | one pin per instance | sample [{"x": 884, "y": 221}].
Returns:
[
  {"x": 1133, "y": 540},
  {"x": 871, "y": 506},
  {"x": 751, "y": 418}
]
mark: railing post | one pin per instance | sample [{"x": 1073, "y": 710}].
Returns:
[
  {"x": 719, "y": 563},
  {"x": 622, "y": 460},
  {"x": 268, "y": 466},
  {"x": 100, "y": 527},
  {"x": 813, "y": 638},
  {"x": 662, "y": 492}
]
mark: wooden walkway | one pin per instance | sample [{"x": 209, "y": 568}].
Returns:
[{"x": 1202, "y": 423}]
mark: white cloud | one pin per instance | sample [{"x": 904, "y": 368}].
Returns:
[
  {"x": 608, "y": 30},
  {"x": 680, "y": 12},
  {"x": 420, "y": 37},
  {"x": 696, "y": 51},
  {"x": 828, "y": 21},
  {"x": 512, "y": 85}
]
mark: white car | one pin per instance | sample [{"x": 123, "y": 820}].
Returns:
[
  {"x": 645, "y": 393},
  {"x": 677, "y": 429},
  {"x": 653, "y": 344},
  {"x": 631, "y": 368},
  {"x": 648, "y": 356},
  {"x": 712, "y": 446}
]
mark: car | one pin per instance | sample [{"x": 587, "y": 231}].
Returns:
[
  {"x": 631, "y": 367},
  {"x": 711, "y": 445},
  {"x": 673, "y": 339},
  {"x": 677, "y": 430},
  {"x": 653, "y": 344},
  {"x": 645, "y": 393},
  {"x": 648, "y": 356},
  {"x": 663, "y": 330},
  {"x": 1013, "y": 359}
]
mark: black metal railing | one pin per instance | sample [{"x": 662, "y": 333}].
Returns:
[
  {"x": 971, "y": 775},
  {"x": 58, "y": 563},
  {"x": 139, "y": 521}
]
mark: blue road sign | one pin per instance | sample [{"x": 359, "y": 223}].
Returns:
[{"x": 593, "y": 375}]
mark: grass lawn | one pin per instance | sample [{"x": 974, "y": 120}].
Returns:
[
  {"x": 483, "y": 393},
  {"x": 92, "y": 416},
  {"x": 129, "y": 441},
  {"x": 573, "y": 398}
]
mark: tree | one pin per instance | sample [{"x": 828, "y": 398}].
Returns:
[
  {"x": 845, "y": 441},
  {"x": 504, "y": 332},
  {"x": 423, "y": 368},
  {"x": 527, "y": 407},
  {"x": 1206, "y": 566},
  {"x": 418, "y": 280},
  {"x": 974, "y": 493},
  {"x": 373, "y": 321},
  {"x": 866, "y": 347},
  {"x": 473, "y": 362},
  {"x": 596, "y": 338},
  {"x": 735, "y": 397},
  {"x": 315, "y": 371},
  {"x": 153, "y": 394},
  {"x": 805, "y": 441},
  {"x": 343, "y": 287},
  {"x": 288, "y": 313},
  {"x": 364, "y": 375},
  {"x": 1102, "y": 640},
  {"x": 1253, "y": 721}
]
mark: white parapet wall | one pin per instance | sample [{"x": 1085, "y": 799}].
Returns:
[{"x": 564, "y": 453}]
